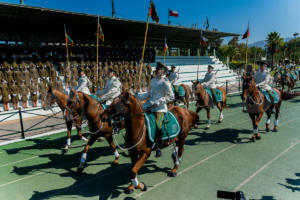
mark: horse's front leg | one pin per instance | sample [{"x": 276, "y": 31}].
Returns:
[
  {"x": 78, "y": 127},
  {"x": 207, "y": 108},
  {"x": 176, "y": 155},
  {"x": 111, "y": 143},
  {"x": 91, "y": 141},
  {"x": 219, "y": 106},
  {"x": 68, "y": 142},
  {"x": 268, "y": 119},
  {"x": 258, "y": 118},
  {"x": 136, "y": 166}
]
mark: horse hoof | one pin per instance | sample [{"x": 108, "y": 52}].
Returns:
[
  {"x": 206, "y": 128},
  {"x": 258, "y": 137},
  {"x": 253, "y": 139},
  {"x": 267, "y": 129},
  {"x": 172, "y": 174},
  {"x": 115, "y": 164},
  {"x": 65, "y": 150},
  {"x": 220, "y": 121},
  {"x": 145, "y": 187},
  {"x": 128, "y": 191},
  {"x": 79, "y": 170},
  {"x": 275, "y": 130}
]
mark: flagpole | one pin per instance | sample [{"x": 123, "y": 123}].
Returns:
[
  {"x": 68, "y": 63},
  {"x": 246, "y": 53},
  {"x": 145, "y": 40},
  {"x": 255, "y": 55},
  {"x": 169, "y": 22},
  {"x": 199, "y": 56},
  {"x": 97, "y": 48}
]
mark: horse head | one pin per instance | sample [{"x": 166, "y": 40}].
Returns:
[
  {"x": 198, "y": 90},
  {"x": 248, "y": 86},
  {"x": 73, "y": 103},
  {"x": 49, "y": 100}
]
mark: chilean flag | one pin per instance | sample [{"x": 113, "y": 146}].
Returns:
[
  {"x": 173, "y": 13},
  {"x": 166, "y": 45}
]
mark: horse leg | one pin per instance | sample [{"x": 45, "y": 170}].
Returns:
[
  {"x": 112, "y": 145},
  {"x": 91, "y": 141},
  {"x": 79, "y": 133},
  {"x": 176, "y": 155},
  {"x": 134, "y": 171},
  {"x": 268, "y": 119},
  {"x": 258, "y": 118},
  {"x": 219, "y": 106},
  {"x": 198, "y": 109},
  {"x": 277, "y": 110},
  {"x": 208, "y": 117},
  {"x": 68, "y": 143}
]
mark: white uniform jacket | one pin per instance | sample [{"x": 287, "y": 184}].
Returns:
[
  {"x": 160, "y": 94},
  {"x": 209, "y": 80},
  {"x": 173, "y": 77},
  {"x": 112, "y": 89},
  {"x": 262, "y": 80},
  {"x": 83, "y": 85}
]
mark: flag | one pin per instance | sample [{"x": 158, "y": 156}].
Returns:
[
  {"x": 206, "y": 24},
  {"x": 153, "y": 12},
  {"x": 173, "y": 13},
  {"x": 203, "y": 41},
  {"x": 100, "y": 31},
  {"x": 247, "y": 33},
  {"x": 68, "y": 38},
  {"x": 166, "y": 45}
]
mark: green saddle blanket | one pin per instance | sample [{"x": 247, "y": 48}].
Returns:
[
  {"x": 104, "y": 106},
  {"x": 274, "y": 94},
  {"x": 218, "y": 94},
  {"x": 296, "y": 72},
  {"x": 293, "y": 76},
  {"x": 170, "y": 126},
  {"x": 179, "y": 90}
]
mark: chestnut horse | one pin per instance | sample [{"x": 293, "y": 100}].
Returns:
[
  {"x": 186, "y": 98},
  {"x": 92, "y": 111},
  {"x": 256, "y": 104},
  {"x": 126, "y": 107},
  {"x": 286, "y": 80},
  {"x": 55, "y": 96},
  {"x": 203, "y": 101}
]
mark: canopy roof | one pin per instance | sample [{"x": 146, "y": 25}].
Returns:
[{"x": 36, "y": 24}]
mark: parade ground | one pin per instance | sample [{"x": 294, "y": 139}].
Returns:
[{"x": 221, "y": 158}]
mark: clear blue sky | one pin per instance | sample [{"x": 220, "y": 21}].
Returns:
[{"x": 225, "y": 15}]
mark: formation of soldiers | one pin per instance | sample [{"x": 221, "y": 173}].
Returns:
[
  {"x": 127, "y": 72},
  {"x": 24, "y": 82}
]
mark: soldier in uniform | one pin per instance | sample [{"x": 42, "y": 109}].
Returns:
[
  {"x": 26, "y": 76},
  {"x": 59, "y": 85},
  {"x": 42, "y": 89},
  {"x": 159, "y": 96},
  {"x": 9, "y": 75},
  {"x": 5, "y": 94},
  {"x": 83, "y": 84},
  {"x": 53, "y": 73},
  {"x": 33, "y": 93},
  {"x": 24, "y": 92},
  {"x": 14, "y": 92}
]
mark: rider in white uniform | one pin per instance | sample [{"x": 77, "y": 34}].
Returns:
[
  {"x": 209, "y": 80},
  {"x": 262, "y": 79},
  {"x": 160, "y": 95},
  {"x": 83, "y": 84},
  {"x": 173, "y": 77},
  {"x": 112, "y": 88}
]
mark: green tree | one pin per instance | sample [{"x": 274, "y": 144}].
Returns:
[{"x": 274, "y": 42}]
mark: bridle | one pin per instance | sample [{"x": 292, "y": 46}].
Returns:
[
  {"x": 249, "y": 99},
  {"x": 115, "y": 120},
  {"x": 197, "y": 94}
]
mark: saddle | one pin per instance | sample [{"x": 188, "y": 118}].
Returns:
[
  {"x": 274, "y": 94},
  {"x": 217, "y": 92},
  {"x": 169, "y": 126},
  {"x": 104, "y": 106},
  {"x": 179, "y": 90}
]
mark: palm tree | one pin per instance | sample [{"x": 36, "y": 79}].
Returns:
[{"x": 274, "y": 41}]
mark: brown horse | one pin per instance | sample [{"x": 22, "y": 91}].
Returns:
[
  {"x": 55, "y": 96},
  {"x": 203, "y": 101},
  {"x": 91, "y": 110},
  {"x": 286, "y": 80},
  {"x": 186, "y": 98},
  {"x": 256, "y": 104},
  {"x": 127, "y": 107}
]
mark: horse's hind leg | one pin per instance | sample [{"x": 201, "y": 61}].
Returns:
[
  {"x": 277, "y": 110},
  {"x": 134, "y": 171},
  {"x": 268, "y": 119},
  {"x": 219, "y": 106},
  {"x": 68, "y": 143},
  {"x": 176, "y": 155},
  {"x": 91, "y": 141},
  {"x": 111, "y": 143}
]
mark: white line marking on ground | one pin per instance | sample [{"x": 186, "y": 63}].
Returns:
[
  {"x": 8, "y": 183},
  {"x": 186, "y": 169},
  {"x": 265, "y": 166}
]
